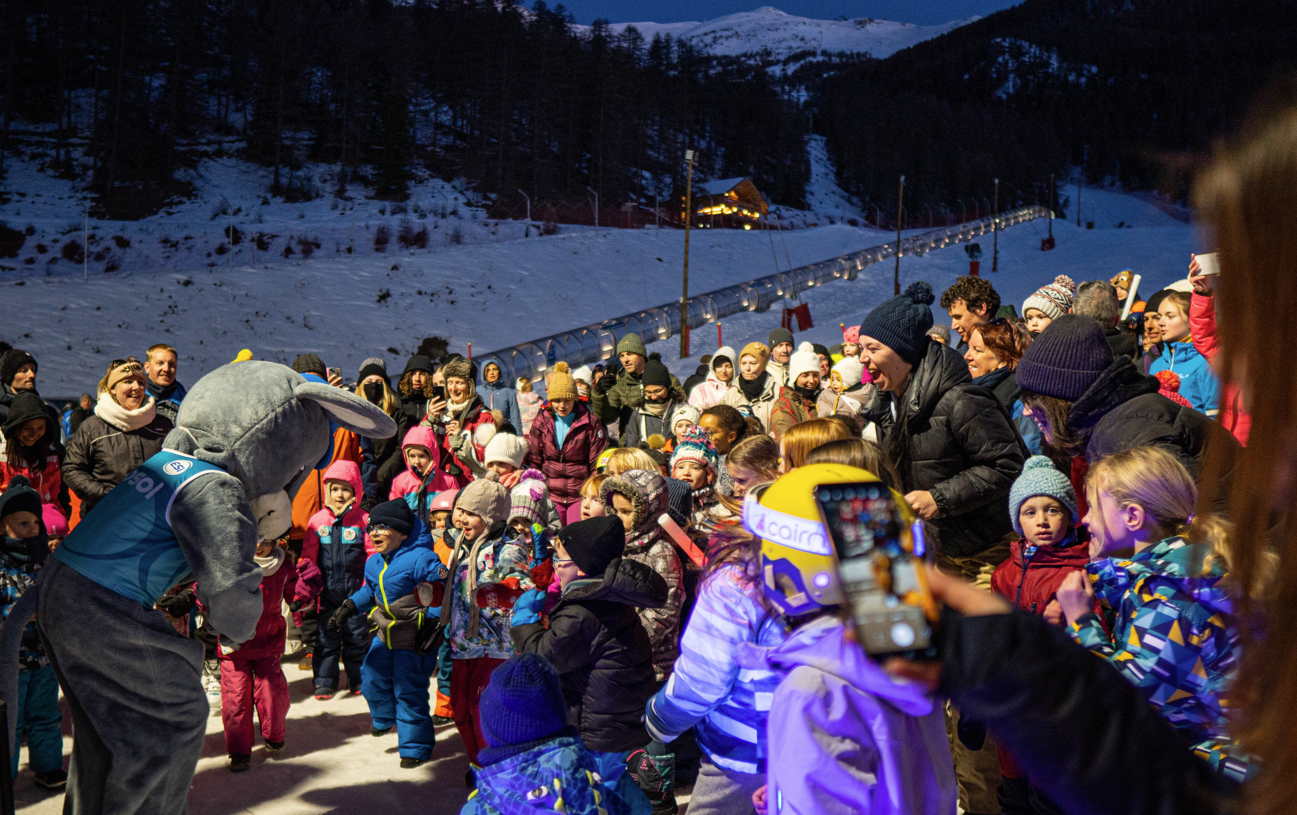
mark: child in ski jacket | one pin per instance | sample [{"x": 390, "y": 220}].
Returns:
[
  {"x": 726, "y": 705},
  {"x": 1043, "y": 508},
  {"x": 639, "y": 498},
  {"x": 1173, "y": 634},
  {"x": 337, "y": 541},
  {"x": 22, "y": 552},
  {"x": 422, "y": 479},
  {"x": 251, "y": 676},
  {"x": 595, "y": 640},
  {"x": 536, "y": 762},
  {"x": 487, "y": 572},
  {"x": 403, "y": 579}
]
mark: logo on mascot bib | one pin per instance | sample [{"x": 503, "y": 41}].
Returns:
[{"x": 176, "y": 467}]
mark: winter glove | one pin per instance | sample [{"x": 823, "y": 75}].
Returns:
[
  {"x": 608, "y": 379},
  {"x": 542, "y": 565},
  {"x": 498, "y": 595},
  {"x": 430, "y": 595},
  {"x": 295, "y": 606},
  {"x": 345, "y": 612},
  {"x": 177, "y": 605},
  {"x": 526, "y": 609}
]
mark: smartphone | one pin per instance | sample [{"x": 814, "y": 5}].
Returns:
[
  {"x": 1209, "y": 263},
  {"x": 439, "y": 392},
  {"x": 334, "y": 372},
  {"x": 880, "y": 561}
]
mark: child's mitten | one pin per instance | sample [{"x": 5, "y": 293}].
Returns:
[{"x": 527, "y": 608}]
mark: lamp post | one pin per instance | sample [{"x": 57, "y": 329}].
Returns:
[
  {"x": 995, "y": 230},
  {"x": 526, "y": 232},
  {"x": 596, "y": 208},
  {"x": 684, "y": 294},
  {"x": 900, "y": 198}
]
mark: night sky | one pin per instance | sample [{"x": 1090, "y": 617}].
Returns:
[{"x": 924, "y": 12}]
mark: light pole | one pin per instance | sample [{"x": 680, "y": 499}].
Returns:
[
  {"x": 596, "y": 208},
  {"x": 900, "y": 198},
  {"x": 526, "y": 232},
  {"x": 684, "y": 295},
  {"x": 995, "y": 230}
]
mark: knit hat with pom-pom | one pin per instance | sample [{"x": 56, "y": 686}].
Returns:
[
  {"x": 1053, "y": 300},
  {"x": 1039, "y": 477},
  {"x": 1168, "y": 384},
  {"x": 697, "y": 446},
  {"x": 562, "y": 385},
  {"x": 804, "y": 360},
  {"x": 530, "y": 499},
  {"x": 902, "y": 323}
]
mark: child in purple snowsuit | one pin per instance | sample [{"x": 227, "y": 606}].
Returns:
[{"x": 844, "y": 736}]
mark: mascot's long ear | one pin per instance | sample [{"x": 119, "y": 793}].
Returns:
[{"x": 348, "y": 410}]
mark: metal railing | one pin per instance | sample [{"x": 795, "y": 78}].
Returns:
[{"x": 598, "y": 342}]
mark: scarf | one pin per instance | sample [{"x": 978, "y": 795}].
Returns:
[
  {"x": 809, "y": 394},
  {"x": 990, "y": 379},
  {"x": 657, "y": 409},
  {"x": 121, "y": 418},
  {"x": 270, "y": 565},
  {"x": 160, "y": 393},
  {"x": 753, "y": 388}
]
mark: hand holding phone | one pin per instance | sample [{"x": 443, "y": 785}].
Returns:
[{"x": 881, "y": 569}]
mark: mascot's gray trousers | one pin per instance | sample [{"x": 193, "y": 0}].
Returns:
[{"x": 135, "y": 690}]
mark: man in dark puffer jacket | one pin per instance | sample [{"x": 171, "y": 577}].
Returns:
[
  {"x": 595, "y": 640},
  {"x": 954, "y": 445},
  {"x": 1104, "y": 405}
]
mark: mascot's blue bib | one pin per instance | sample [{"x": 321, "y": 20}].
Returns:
[{"x": 126, "y": 543}]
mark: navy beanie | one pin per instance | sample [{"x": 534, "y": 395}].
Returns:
[
  {"x": 902, "y": 323},
  {"x": 523, "y": 702},
  {"x": 395, "y": 515},
  {"x": 655, "y": 373},
  {"x": 1066, "y": 359}
]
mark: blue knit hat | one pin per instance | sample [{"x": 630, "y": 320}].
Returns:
[
  {"x": 523, "y": 702},
  {"x": 1066, "y": 359},
  {"x": 1039, "y": 477},
  {"x": 902, "y": 323}
]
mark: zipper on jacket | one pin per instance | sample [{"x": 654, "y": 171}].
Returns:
[{"x": 1027, "y": 552}]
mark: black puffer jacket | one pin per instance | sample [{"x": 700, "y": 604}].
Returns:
[
  {"x": 1123, "y": 409},
  {"x": 602, "y": 653},
  {"x": 957, "y": 441},
  {"x": 99, "y": 456}
]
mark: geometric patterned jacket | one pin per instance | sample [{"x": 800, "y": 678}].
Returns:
[{"x": 1173, "y": 637}]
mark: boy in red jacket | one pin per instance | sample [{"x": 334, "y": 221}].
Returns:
[{"x": 1042, "y": 506}]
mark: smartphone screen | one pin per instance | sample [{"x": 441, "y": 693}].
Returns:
[
  {"x": 439, "y": 392},
  {"x": 880, "y": 566}
]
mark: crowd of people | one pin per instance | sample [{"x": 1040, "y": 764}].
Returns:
[{"x": 575, "y": 577}]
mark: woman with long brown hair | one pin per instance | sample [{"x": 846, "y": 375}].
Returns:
[{"x": 1075, "y": 724}]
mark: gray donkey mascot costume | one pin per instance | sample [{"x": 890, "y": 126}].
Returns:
[{"x": 245, "y": 438}]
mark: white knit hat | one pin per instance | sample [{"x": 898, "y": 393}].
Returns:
[
  {"x": 583, "y": 374},
  {"x": 683, "y": 412},
  {"x": 805, "y": 360},
  {"x": 851, "y": 371},
  {"x": 1053, "y": 300},
  {"x": 506, "y": 447}
]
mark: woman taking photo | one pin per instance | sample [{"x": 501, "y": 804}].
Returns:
[{"x": 124, "y": 432}]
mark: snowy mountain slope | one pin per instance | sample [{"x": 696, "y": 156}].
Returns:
[
  {"x": 1158, "y": 248},
  {"x": 772, "y": 34},
  {"x": 349, "y": 308}
]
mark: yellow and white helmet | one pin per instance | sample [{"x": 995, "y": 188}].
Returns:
[{"x": 798, "y": 563}]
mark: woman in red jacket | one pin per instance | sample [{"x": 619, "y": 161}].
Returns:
[
  {"x": 1202, "y": 327},
  {"x": 564, "y": 443}
]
